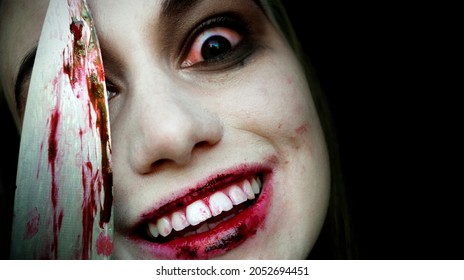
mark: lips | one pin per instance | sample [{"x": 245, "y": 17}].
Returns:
[
  {"x": 211, "y": 219},
  {"x": 206, "y": 209}
]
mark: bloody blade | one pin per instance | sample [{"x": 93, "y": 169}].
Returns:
[{"x": 63, "y": 200}]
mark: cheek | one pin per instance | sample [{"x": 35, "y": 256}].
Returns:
[
  {"x": 288, "y": 114},
  {"x": 281, "y": 103}
]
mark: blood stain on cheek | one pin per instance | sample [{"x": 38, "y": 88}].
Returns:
[
  {"x": 301, "y": 136},
  {"x": 302, "y": 129},
  {"x": 289, "y": 80}
]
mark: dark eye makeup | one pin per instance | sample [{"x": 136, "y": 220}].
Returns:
[
  {"x": 111, "y": 89},
  {"x": 217, "y": 43}
]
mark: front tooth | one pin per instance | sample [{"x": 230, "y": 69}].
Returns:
[
  {"x": 255, "y": 185},
  {"x": 197, "y": 212},
  {"x": 219, "y": 202},
  {"x": 179, "y": 221},
  {"x": 153, "y": 230},
  {"x": 248, "y": 190},
  {"x": 164, "y": 226},
  {"x": 236, "y": 195}
]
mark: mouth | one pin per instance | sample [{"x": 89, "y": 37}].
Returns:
[{"x": 211, "y": 219}]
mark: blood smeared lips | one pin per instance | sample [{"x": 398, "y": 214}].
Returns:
[
  {"x": 206, "y": 213},
  {"x": 210, "y": 220}
]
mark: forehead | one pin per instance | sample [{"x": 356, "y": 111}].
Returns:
[{"x": 20, "y": 25}]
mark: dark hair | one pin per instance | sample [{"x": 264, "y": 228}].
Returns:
[{"x": 336, "y": 239}]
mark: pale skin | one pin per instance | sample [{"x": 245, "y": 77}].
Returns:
[{"x": 176, "y": 120}]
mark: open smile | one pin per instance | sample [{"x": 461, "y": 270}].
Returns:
[{"x": 211, "y": 219}]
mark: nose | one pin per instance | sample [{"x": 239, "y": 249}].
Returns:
[{"x": 171, "y": 124}]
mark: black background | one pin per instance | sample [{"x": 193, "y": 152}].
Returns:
[{"x": 387, "y": 71}]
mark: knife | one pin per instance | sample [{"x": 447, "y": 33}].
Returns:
[{"x": 63, "y": 200}]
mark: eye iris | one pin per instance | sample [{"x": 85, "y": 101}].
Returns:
[{"x": 214, "y": 46}]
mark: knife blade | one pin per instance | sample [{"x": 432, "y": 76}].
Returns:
[{"x": 63, "y": 200}]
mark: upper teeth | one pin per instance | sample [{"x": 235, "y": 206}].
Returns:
[{"x": 205, "y": 208}]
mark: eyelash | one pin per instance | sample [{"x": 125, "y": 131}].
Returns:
[
  {"x": 111, "y": 90},
  {"x": 227, "y": 27}
]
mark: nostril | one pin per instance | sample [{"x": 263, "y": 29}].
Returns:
[
  {"x": 202, "y": 144},
  {"x": 159, "y": 163}
]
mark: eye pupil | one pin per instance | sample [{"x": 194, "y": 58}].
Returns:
[{"x": 214, "y": 46}]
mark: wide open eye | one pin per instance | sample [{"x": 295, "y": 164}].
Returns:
[{"x": 213, "y": 44}]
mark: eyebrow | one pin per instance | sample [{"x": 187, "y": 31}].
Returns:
[
  {"x": 174, "y": 7},
  {"x": 24, "y": 70}
]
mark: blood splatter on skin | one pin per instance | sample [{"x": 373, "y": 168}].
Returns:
[
  {"x": 301, "y": 137},
  {"x": 302, "y": 129}
]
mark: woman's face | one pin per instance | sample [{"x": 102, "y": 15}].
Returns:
[{"x": 217, "y": 147}]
